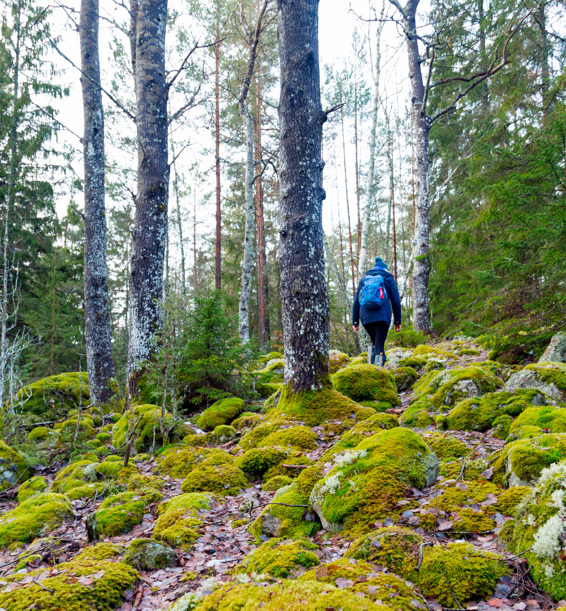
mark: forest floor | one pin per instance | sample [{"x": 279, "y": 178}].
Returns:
[{"x": 221, "y": 546}]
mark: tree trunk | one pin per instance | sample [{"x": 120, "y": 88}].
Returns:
[
  {"x": 261, "y": 275},
  {"x": 304, "y": 293},
  {"x": 132, "y": 33},
  {"x": 150, "y": 222},
  {"x": 421, "y": 130},
  {"x": 348, "y": 204},
  {"x": 98, "y": 334},
  {"x": 218, "y": 245}
]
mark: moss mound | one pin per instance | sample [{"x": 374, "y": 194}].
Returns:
[
  {"x": 447, "y": 388},
  {"x": 223, "y": 479},
  {"x": 546, "y": 417},
  {"x": 415, "y": 362},
  {"x": 291, "y": 595},
  {"x": 39, "y": 434},
  {"x": 13, "y": 467},
  {"x": 549, "y": 378},
  {"x": 178, "y": 523},
  {"x": 32, "y": 486},
  {"x": 80, "y": 585},
  {"x": 223, "y": 411},
  {"x": 37, "y": 516},
  {"x": 337, "y": 360},
  {"x": 445, "y": 446},
  {"x": 119, "y": 513},
  {"x": 149, "y": 555},
  {"x": 179, "y": 461},
  {"x": 278, "y": 481},
  {"x": 319, "y": 407},
  {"x": 418, "y": 415},
  {"x": 144, "y": 421},
  {"x": 53, "y": 397},
  {"x": 367, "y": 482},
  {"x": 366, "y": 383},
  {"x": 280, "y": 558},
  {"x": 405, "y": 377}
]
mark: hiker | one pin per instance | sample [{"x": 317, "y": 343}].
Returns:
[{"x": 376, "y": 293}]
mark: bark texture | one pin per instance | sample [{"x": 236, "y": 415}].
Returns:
[
  {"x": 98, "y": 336},
  {"x": 304, "y": 294},
  {"x": 218, "y": 244},
  {"x": 150, "y": 221}
]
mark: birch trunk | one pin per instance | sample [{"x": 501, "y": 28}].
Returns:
[
  {"x": 150, "y": 221},
  {"x": 421, "y": 129},
  {"x": 98, "y": 335},
  {"x": 304, "y": 295}
]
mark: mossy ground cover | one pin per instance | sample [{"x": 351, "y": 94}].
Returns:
[
  {"x": 366, "y": 383},
  {"x": 280, "y": 558}
]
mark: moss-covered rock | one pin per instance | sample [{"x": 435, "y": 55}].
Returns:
[
  {"x": 509, "y": 499},
  {"x": 80, "y": 585},
  {"x": 300, "y": 437},
  {"x": 144, "y": 421},
  {"x": 538, "y": 530},
  {"x": 32, "y": 486},
  {"x": 547, "y": 417},
  {"x": 337, "y": 360},
  {"x": 223, "y": 411},
  {"x": 501, "y": 426},
  {"x": 75, "y": 475},
  {"x": 13, "y": 467},
  {"x": 53, "y": 397},
  {"x": 280, "y": 558},
  {"x": 550, "y": 378},
  {"x": 360, "y": 576},
  {"x": 415, "y": 362},
  {"x": 289, "y": 594},
  {"x": 247, "y": 421},
  {"x": 119, "y": 513},
  {"x": 39, "y": 434},
  {"x": 278, "y": 481},
  {"x": 366, "y": 483},
  {"x": 258, "y": 461},
  {"x": 479, "y": 413},
  {"x": 366, "y": 383},
  {"x": 434, "y": 352},
  {"x": 179, "y": 522},
  {"x": 418, "y": 415},
  {"x": 223, "y": 479},
  {"x": 445, "y": 446},
  {"x": 283, "y": 517},
  {"x": 459, "y": 572},
  {"x": 179, "y": 461},
  {"x": 76, "y": 430},
  {"x": 448, "y": 387},
  {"x": 405, "y": 377},
  {"x": 150, "y": 555},
  {"x": 223, "y": 434},
  {"x": 318, "y": 407},
  {"x": 37, "y": 516},
  {"x": 521, "y": 462}
]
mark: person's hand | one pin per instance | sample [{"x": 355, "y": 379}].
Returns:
[
  {"x": 355, "y": 327},
  {"x": 397, "y": 328}
]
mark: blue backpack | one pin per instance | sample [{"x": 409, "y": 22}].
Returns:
[{"x": 373, "y": 294}]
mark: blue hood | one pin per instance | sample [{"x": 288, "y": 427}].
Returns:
[{"x": 380, "y": 263}]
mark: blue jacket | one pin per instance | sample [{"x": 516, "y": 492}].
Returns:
[{"x": 383, "y": 314}]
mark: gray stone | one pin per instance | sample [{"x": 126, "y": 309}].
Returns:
[
  {"x": 556, "y": 350},
  {"x": 529, "y": 378},
  {"x": 150, "y": 555},
  {"x": 395, "y": 355}
]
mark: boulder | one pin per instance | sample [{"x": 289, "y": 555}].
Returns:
[
  {"x": 150, "y": 555},
  {"x": 13, "y": 467},
  {"x": 556, "y": 350},
  {"x": 550, "y": 378}
]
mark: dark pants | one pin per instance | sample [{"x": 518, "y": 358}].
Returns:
[{"x": 378, "y": 334}]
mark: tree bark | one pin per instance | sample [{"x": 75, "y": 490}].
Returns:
[
  {"x": 421, "y": 129},
  {"x": 150, "y": 222},
  {"x": 304, "y": 293},
  {"x": 218, "y": 245},
  {"x": 98, "y": 334}
]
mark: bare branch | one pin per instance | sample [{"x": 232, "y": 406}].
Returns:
[{"x": 188, "y": 56}]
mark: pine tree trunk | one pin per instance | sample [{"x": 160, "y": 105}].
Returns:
[
  {"x": 304, "y": 294},
  {"x": 421, "y": 130},
  {"x": 218, "y": 245},
  {"x": 98, "y": 334},
  {"x": 352, "y": 266},
  {"x": 150, "y": 222}
]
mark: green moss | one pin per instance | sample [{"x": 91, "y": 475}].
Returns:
[
  {"x": 434, "y": 365},
  {"x": 459, "y": 572},
  {"x": 366, "y": 483},
  {"x": 104, "y": 437},
  {"x": 178, "y": 523},
  {"x": 287, "y": 594},
  {"x": 307, "y": 479},
  {"x": 300, "y": 437},
  {"x": 391, "y": 590},
  {"x": 32, "y": 486},
  {"x": 451, "y": 386},
  {"x": 415, "y": 362},
  {"x": 221, "y": 412},
  {"x": 405, "y": 377},
  {"x": 180, "y": 461},
  {"x": 79, "y": 585},
  {"x": 247, "y": 421},
  {"x": 74, "y": 475},
  {"x": 320, "y": 406},
  {"x": 100, "y": 551},
  {"x": 35, "y": 517},
  {"x": 468, "y": 352},
  {"x": 257, "y": 461},
  {"x": 109, "y": 469},
  {"x": 395, "y": 548},
  {"x": 223, "y": 433},
  {"x": 285, "y": 519},
  {"x": 119, "y": 513},
  {"x": 13, "y": 467},
  {"x": 440, "y": 422},
  {"x": 337, "y": 360},
  {"x": 501, "y": 426},
  {"x": 547, "y": 417},
  {"x": 279, "y": 558},
  {"x": 434, "y": 352},
  {"x": 53, "y": 397},
  {"x": 276, "y": 482},
  {"x": 150, "y": 555},
  {"x": 417, "y": 415},
  {"x": 445, "y": 446},
  {"x": 144, "y": 421},
  {"x": 509, "y": 499},
  {"x": 285, "y": 467},
  {"x": 40, "y": 433},
  {"x": 366, "y": 383},
  {"x": 521, "y": 462},
  {"x": 551, "y": 373},
  {"x": 223, "y": 479}
]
